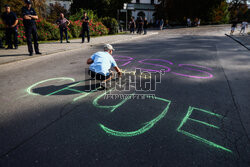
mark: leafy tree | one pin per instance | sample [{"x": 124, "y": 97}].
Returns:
[
  {"x": 78, "y": 15},
  {"x": 238, "y": 9},
  {"x": 179, "y": 10},
  {"x": 40, "y": 7},
  {"x": 55, "y": 11},
  {"x": 111, "y": 24},
  {"x": 221, "y": 14},
  {"x": 103, "y": 8},
  {"x": 16, "y": 6}
]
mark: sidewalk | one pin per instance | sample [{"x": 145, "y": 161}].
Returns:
[{"x": 8, "y": 56}]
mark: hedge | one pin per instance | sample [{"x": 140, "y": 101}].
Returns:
[{"x": 48, "y": 31}]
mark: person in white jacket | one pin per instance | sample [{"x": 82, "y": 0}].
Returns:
[{"x": 244, "y": 26}]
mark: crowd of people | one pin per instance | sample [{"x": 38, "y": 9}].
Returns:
[
  {"x": 139, "y": 26},
  {"x": 29, "y": 15},
  {"x": 244, "y": 26},
  {"x": 196, "y": 22}
]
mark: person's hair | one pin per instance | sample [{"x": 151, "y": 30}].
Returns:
[
  {"x": 6, "y": 6},
  {"x": 84, "y": 12}
]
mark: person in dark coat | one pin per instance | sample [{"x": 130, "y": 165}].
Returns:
[
  {"x": 29, "y": 17},
  {"x": 1, "y": 44},
  {"x": 85, "y": 27},
  {"x": 10, "y": 21},
  {"x": 233, "y": 27},
  {"x": 132, "y": 25},
  {"x": 140, "y": 25},
  {"x": 145, "y": 26}
]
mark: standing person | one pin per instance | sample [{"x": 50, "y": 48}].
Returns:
[
  {"x": 196, "y": 21},
  {"x": 132, "y": 25},
  {"x": 63, "y": 24},
  {"x": 1, "y": 44},
  {"x": 140, "y": 25},
  {"x": 85, "y": 27},
  {"x": 10, "y": 21},
  {"x": 199, "y": 23},
  {"x": 29, "y": 17},
  {"x": 244, "y": 25},
  {"x": 167, "y": 23},
  {"x": 161, "y": 24},
  {"x": 145, "y": 26},
  {"x": 233, "y": 27},
  {"x": 101, "y": 63},
  {"x": 157, "y": 23},
  {"x": 189, "y": 22}
]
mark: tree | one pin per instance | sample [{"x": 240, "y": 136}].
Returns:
[
  {"x": 238, "y": 9},
  {"x": 103, "y": 8},
  {"x": 40, "y": 7},
  {"x": 179, "y": 10},
  {"x": 16, "y": 6},
  {"x": 55, "y": 11},
  {"x": 221, "y": 14}
]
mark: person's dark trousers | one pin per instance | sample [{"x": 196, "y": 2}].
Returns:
[
  {"x": 9, "y": 33},
  {"x": 31, "y": 30},
  {"x": 132, "y": 30},
  {"x": 145, "y": 31},
  {"x": 83, "y": 35},
  {"x": 65, "y": 31},
  {"x": 1, "y": 44}
]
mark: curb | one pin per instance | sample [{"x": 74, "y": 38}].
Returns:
[
  {"x": 88, "y": 46},
  {"x": 239, "y": 41}
]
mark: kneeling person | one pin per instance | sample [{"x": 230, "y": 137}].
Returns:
[{"x": 101, "y": 64}]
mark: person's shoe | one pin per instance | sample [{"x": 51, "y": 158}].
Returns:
[
  {"x": 31, "y": 54},
  {"x": 9, "y": 48},
  {"x": 68, "y": 41},
  {"x": 82, "y": 41},
  {"x": 16, "y": 47},
  {"x": 38, "y": 53},
  {"x": 61, "y": 41},
  {"x": 1, "y": 47}
]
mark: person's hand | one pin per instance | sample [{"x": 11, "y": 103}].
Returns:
[
  {"x": 119, "y": 73},
  {"x": 12, "y": 26},
  {"x": 26, "y": 17}
]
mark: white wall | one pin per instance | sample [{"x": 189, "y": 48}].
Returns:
[{"x": 146, "y": 1}]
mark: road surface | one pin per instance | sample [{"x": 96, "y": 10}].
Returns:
[{"x": 198, "y": 117}]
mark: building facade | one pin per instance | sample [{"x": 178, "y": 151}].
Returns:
[
  {"x": 144, "y": 8},
  {"x": 64, "y": 3}
]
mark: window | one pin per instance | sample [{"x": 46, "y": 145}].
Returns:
[
  {"x": 137, "y": 1},
  {"x": 152, "y": 2}
]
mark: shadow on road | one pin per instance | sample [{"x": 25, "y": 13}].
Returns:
[{"x": 40, "y": 134}]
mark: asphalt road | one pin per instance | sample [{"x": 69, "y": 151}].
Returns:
[{"x": 200, "y": 116}]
